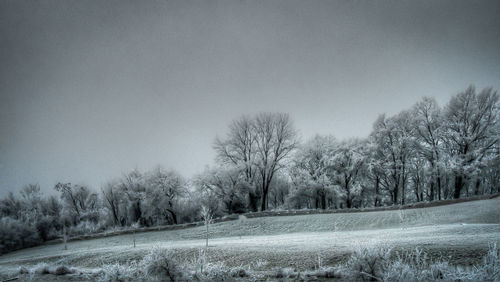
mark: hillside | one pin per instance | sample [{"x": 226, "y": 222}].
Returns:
[{"x": 462, "y": 231}]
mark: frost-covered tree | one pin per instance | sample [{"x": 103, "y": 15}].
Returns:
[
  {"x": 395, "y": 145},
  {"x": 79, "y": 202},
  {"x": 345, "y": 166},
  {"x": 11, "y": 206},
  {"x": 275, "y": 138},
  {"x": 206, "y": 215},
  {"x": 279, "y": 190},
  {"x": 308, "y": 172},
  {"x": 471, "y": 132},
  {"x": 112, "y": 200},
  {"x": 375, "y": 172},
  {"x": 133, "y": 186},
  {"x": 163, "y": 191},
  {"x": 238, "y": 150},
  {"x": 32, "y": 198},
  {"x": 225, "y": 183},
  {"x": 259, "y": 147},
  {"x": 429, "y": 143},
  {"x": 28, "y": 220}
]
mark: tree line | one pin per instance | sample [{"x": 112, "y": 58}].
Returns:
[{"x": 424, "y": 153}]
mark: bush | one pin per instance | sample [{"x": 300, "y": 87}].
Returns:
[
  {"x": 117, "y": 272},
  {"x": 239, "y": 272},
  {"x": 201, "y": 270},
  {"x": 490, "y": 269},
  {"x": 325, "y": 272},
  {"x": 47, "y": 227},
  {"x": 160, "y": 264},
  {"x": 284, "y": 273},
  {"x": 63, "y": 270},
  {"x": 23, "y": 270},
  {"x": 367, "y": 263},
  {"x": 15, "y": 234},
  {"x": 85, "y": 228},
  {"x": 215, "y": 272},
  {"x": 41, "y": 269},
  {"x": 375, "y": 264}
]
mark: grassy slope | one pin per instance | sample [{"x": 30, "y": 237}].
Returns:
[{"x": 462, "y": 230}]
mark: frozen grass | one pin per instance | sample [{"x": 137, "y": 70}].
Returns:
[
  {"x": 160, "y": 265},
  {"x": 376, "y": 264},
  {"x": 461, "y": 231},
  {"x": 372, "y": 263}
]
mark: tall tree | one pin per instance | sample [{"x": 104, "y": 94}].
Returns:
[
  {"x": 259, "y": 147},
  {"x": 345, "y": 166},
  {"x": 395, "y": 144},
  {"x": 429, "y": 140},
  {"x": 309, "y": 169},
  {"x": 225, "y": 183},
  {"x": 112, "y": 200},
  {"x": 133, "y": 185},
  {"x": 164, "y": 189},
  {"x": 238, "y": 150},
  {"x": 471, "y": 131},
  {"x": 275, "y": 139}
]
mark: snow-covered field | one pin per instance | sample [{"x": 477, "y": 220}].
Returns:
[{"x": 458, "y": 232}]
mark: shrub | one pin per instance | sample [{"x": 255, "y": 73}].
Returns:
[
  {"x": 375, "y": 264},
  {"x": 325, "y": 272},
  {"x": 159, "y": 263},
  {"x": 85, "y": 228},
  {"x": 118, "y": 272},
  {"x": 490, "y": 269},
  {"x": 215, "y": 272},
  {"x": 15, "y": 234},
  {"x": 239, "y": 272},
  {"x": 367, "y": 263},
  {"x": 202, "y": 270},
  {"x": 284, "y": 273},
  {"x": 23, "y": 270},
  {"x": 41, "y": 269},
  {"x": 63, "y": 270},
  {"x": 47, "y": 227},
  {"x": 44, "y": 268}
]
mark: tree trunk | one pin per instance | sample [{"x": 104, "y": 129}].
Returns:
[
  {"x": 458, "y": 186},
  {"x": 395, "y": 195},
  {"x": 348, "y": 199},
  {"x": 431, "y": 196},
  {"x": 263, "y": 205},
  {"x": 65, "y": 238},
  {"x": 417, "y": 188},
  {"x": 476, "y": 188},
  {"x": 253, "y": 201},
  {"x": 206, "y": 245},
  {"x": 174, "y": 216},
  {"x": 115, "y": 216},
  {"x": 439, "y": 184}
]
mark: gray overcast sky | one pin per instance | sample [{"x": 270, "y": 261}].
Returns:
[{"x": 91, "y": 89}]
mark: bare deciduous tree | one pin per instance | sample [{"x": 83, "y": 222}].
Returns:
[
  {"x": 111, "y": 200},
  {"x": 258, "y": 147},
  {"x": 207, "y": 217}
]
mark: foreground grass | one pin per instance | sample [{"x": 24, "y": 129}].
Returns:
[{"x": 375, "y": 263}]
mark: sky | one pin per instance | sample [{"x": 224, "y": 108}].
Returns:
[{"x": 92, "y": 89}]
